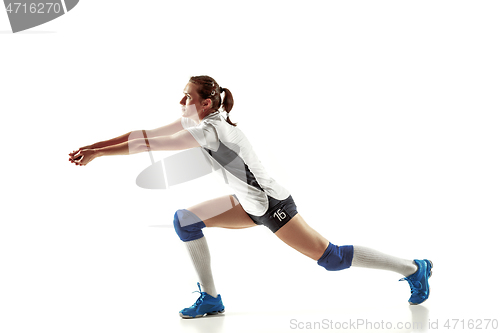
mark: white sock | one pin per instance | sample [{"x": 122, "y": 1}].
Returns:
[
  {"x": 200, "y": 256},
  {"x": 369, "y": 258}
]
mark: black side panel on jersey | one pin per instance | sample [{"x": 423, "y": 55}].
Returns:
[{"x": 229, "y": 159}]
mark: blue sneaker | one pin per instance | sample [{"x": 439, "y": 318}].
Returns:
[
  {"x": 205, "y": 304},
  {"x": 419, "y": 282}
]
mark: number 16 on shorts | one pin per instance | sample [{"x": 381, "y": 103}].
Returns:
[{"x": 280, "y": 215}]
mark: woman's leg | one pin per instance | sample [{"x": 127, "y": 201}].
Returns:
[
  {"x": 223, "y": 212},
  {"x": 299, "y": 235}
]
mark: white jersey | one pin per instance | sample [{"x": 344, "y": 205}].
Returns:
[{"x": 233, "y": 158}]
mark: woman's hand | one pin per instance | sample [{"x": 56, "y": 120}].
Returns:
[
  {"x": 72, "y": 154},
  {"x": 83, "y": 156}
]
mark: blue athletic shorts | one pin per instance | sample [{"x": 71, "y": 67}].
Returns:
[{"x": 278, "y": 213}]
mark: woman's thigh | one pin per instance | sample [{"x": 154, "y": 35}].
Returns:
[
  {"x": 299, "y": 235},
  {"x": 222, "y": 212}
]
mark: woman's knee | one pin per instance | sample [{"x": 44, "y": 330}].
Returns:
[
  {"x": 187, "y": 225},
  {"x": 336, "y": 257}
]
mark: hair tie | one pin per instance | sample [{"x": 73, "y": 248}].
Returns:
[{"x": 221, "y": 90}]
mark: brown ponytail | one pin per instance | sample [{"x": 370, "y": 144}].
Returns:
[
  {"x": 209, "y": 88},
  {"x": 227, "y": 104}
]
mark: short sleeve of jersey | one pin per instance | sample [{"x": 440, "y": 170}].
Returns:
[{"x": 204, "y": 133}]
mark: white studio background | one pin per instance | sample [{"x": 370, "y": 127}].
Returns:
[{"x": 380, "y": 117}]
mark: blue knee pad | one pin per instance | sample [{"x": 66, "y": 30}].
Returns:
[
  {"x": 187, "y": 225},
  {"x": 336, "y": 257}
]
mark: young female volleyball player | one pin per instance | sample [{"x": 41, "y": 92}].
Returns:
[{"x": 258, "y": 199}]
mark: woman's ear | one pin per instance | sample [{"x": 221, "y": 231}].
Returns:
[{"x": 207, "y": 103}]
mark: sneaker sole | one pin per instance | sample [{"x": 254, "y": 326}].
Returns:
[
  {"x": 428, "y": 294},
  {"x": 202, "y": 315},
  {"x": 216, "y": 312}
]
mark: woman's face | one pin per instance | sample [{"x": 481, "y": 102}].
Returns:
[{"x": 191, "y": 104}]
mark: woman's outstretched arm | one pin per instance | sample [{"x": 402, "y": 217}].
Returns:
[
  {"x": 169, "y": 129},
  {"x": 178, "y": 141}
]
